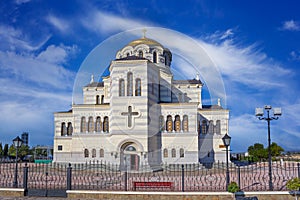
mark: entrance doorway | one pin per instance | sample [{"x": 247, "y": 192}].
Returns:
[{"x": 129, "y": 159}]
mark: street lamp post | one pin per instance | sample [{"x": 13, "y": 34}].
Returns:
[
  {"x": 226, "y": 140},
  {"x": 259, "y": 112},
  {"x": 17, "y": 143}
]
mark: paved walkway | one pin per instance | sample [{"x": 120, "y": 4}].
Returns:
[{"x": 34, "y": 198}]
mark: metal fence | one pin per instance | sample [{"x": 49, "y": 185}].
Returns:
[{"x": 53, "y": 177}]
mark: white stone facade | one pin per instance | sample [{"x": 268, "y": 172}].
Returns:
[{"x": 139, "y": 115}]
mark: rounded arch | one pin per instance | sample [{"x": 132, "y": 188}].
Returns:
[{"x": 125, "y": 143}]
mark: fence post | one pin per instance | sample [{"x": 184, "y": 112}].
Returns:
[
  {"x": 25, "y": 179},
  {"x": 125, "y": 180},
  {"x": 182, "y": 178},
  {"x": 69, "y": 177},
  {"x": 239, "y": 176}
]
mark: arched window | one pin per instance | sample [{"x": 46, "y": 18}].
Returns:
[
  {"x": 105, "y": 124},
  {"x": 185, "y": 123},
  {"x": 98, "y": 124},
  {"x": 69, "y": 129},
  {"x": 161, "y": 123},
  {"x": 93, "y": 153},
  {"x": 129, "y": 84},
  {"x": 101, "y": 153},
  {"x": 169, "y": 123},
  {"x": 97, "y": 99},
  {"x": 154, "y": 57},
  {"x": 177, "y": 123},
  {"x": 165, "y": 153},
  {"x": 173, "y": 153},
  {"x": 127, "y": 54},
  {"x": 121, "y": 87},
  {"x": 140, "y": 54},
  {"x": 86, "y": 153},
  {"x": 63, "y": 129},
  {"x": 83, "y": 125},
  {"x": 91, "y": 125},
  {"x": 203, "y": 127},
  {"x": 138, "y": 87},
  {"x": 130, "y": 148},
  {"x": 218, "y": 127},
  {"x": 211, "y": 127},
  {"x": 102, "y": 99},
  {"x": 181, "y": 153}
]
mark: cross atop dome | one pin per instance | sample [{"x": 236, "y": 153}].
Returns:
[{"x": 144, "y": 32}]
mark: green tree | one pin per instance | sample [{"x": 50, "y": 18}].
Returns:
[
  {"x": 276, "y": 150},
  {"x": 5, "y": 150},
  {"x": 1, "y": 150},
  {"x": 22, "y": 151},
  {"x": 257, "y": 152},
  {"x": 40, "y": 152}
]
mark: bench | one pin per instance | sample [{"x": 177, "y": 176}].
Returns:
[{"x": 150, "y": 185}]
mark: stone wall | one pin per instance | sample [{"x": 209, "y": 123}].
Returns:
[
  {"x": 11, "y": 192},
  {"x": 73, "y": 194}
]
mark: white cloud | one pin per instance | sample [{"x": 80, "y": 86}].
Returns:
[
  {"x": 34, "y": 83},
  {"x": 101, "y": 22},
  {"x": 245, "y": 65},
  {"x": 62, "y": 25},
  {"x": 20, "y": 89},
  {"x": 57, "y": 54},
  {"x": 295, "y": 55},
  {"x": 227, "y": 34},
  {"x": 29, "y": 68},
  {"x": 14, "y": 39},
  {"x": 35, "y": 115},
  {"x": 246, "y": 130},
  {"x": 291, "y": 25}
]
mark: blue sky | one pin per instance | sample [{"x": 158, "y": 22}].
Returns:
[{"x": 255, "y": 46}]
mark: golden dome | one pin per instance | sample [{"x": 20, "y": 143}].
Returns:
[{"x": 144, "y": 40}]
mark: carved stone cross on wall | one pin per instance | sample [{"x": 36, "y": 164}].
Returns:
[{"x": 129, "y": 115}]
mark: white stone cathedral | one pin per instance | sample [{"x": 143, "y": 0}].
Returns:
[{"x": 139, "y": 115}]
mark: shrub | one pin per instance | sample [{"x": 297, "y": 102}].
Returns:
[
  {"x": 293, "y": 184},
  {"x": 233, "y": 187}
]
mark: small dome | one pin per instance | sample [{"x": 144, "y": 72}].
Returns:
[{"x": 144, "y": 40}]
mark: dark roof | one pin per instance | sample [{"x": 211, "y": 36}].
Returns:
[
  {"x": 132, "y": 58},
  {"x": 213, "y": 107},
  {"x": 95, "y": 84},
  {"x": 193, "y": 81},
  {"x": 69, "y": 111}
]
